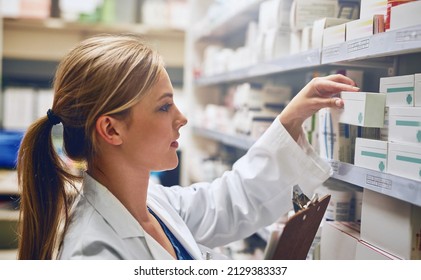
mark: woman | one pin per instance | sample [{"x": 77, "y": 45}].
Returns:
[{"x": 115, "y": 101}]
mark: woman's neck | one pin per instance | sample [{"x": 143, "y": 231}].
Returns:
[{"x": 128, "y": 186}]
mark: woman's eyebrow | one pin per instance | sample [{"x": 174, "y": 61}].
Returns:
[{"x": 166, "y": 95}]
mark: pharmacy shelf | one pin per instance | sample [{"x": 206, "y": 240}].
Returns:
[
  {"x": 92, "y": 27},
  {"x": 382, "y": 45},
  {"x": 237, "y": 141},
  {"x": 19, "y": 33},
  {"x": 297, "y": 61},
  {"x": 237, "y": 17},
  {"x": 395, "y": 42},
  {"x": 395, "y": 186}
]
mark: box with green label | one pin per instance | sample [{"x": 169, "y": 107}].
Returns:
[
  {"x": 371, "y": 154},
  {"x": 404, "y": 160},
  {"x": 363, "y": 108},
  {"x": 405, "y": 124},
  {"x": 402, "y": 90}
]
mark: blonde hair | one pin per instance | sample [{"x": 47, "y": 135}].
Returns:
[{"x": 103, "y": 75}]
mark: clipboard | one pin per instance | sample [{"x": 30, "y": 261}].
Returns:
[{"x": 298, "y": 234}]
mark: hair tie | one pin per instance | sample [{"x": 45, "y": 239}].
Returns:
[{"x": 53, "y": 118}]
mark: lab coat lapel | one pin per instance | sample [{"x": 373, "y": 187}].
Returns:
[
  {"x": 177, "y": 226},
  {"x": 157, "y": 251}
]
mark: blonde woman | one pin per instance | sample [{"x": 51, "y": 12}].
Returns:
[{"x": 115, "y": 101}]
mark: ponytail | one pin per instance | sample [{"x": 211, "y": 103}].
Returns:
[{"x": 43, "y": 203}]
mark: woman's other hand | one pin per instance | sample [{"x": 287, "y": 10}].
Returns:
[{"x": 319, "y": 93}]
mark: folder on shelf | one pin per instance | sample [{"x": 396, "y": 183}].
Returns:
[{"x": 299, "y": 231}]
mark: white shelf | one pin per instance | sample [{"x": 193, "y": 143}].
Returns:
[
  {"x": 395, "y": 42},
  {"x": 20, "y": 33},
  {"x": 238, "y": 141},
  {"x": 398, "y": 187},
  {"x": 297, "y": 61}
]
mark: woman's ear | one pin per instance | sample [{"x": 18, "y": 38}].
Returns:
[{"x": 108, "y": 129}]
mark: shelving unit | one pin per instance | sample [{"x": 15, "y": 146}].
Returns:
[{"x": 391, "y": 51}]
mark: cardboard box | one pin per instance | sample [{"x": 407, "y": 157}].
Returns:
[
  {"x": 363, "y": 109},
  {"x": 318, "y": 30},
  {"x": 371, "y": 154},
  {"x": 334, "y": 137},
  {"x": 391, "y": 225},
  {"x": 19, "y": 108},
  {"x": 334, "y": 35},
  {"x": 405, "y": 124},
  {"x": 404, "y": 160},
  {"x": 368, "y": 8},
  {"x": 405, "y": 15},
  {"x": 359, "y": 28},
  {"x": 417, "y": 90},
  {"x": 400, "y": 90},
  {"x": 305, "y": 12},
  {"x": 339, "y": 240},
  {"x": 366, "y": 251}
]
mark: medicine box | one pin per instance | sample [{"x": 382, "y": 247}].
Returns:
[
  {"x": 401, "y": 90},
  {"x": 405, "y": 124},
  {"x": 318, "y": 28},
  {"x": 334, "y": 35},
  {"x": 366, "y": 251},
  {"x": 359, "y": 28},
  {"x": 339, "y": 240},
  {"x": 404, "y": 160},
  {"x": 334, "y": 137},
  {"x": 405, "y": 15},
  {"x": 391, "y": 224},
  {"x": 368, "y": 8},
  {"x": 363, "y": 109},
  {"x": 371, "y": 154}
]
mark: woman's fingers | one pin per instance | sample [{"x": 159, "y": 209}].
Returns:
[{"x": 329, "y": 87}]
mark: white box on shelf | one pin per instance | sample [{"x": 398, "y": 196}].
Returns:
[
  {"x": 339, "y": 240},
  {"x": 405, "y": 15},
  {"x": 404, "y": 160},
  {"x": 373, "y": 7},
  {"x": 334, "y": 137},
  {"x": 405, "y": 124},
  {"x": 371, "y": 154},
  {"x": 391, "y": 224},
  {"x": 366, "y": 251},
  {"x": 318, "y": 29},
  {"x": 274, "y": 14},
  {"x": 400, "y": 90},
  {"x": 359, "y": 28},
  {"x": 363, "y": 108},
  {"x": 18, "y": 108},
  {"x": 334, "y": 35},
  {"x": 305, "y": 12},
  {"x": 417, "y": 90}
]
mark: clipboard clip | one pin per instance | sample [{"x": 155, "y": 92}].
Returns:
[{"x": 300, "y": 201}]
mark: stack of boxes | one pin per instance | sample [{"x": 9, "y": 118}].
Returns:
[{"x": 397, "y": 108}]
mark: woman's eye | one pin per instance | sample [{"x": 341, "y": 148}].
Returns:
[{"x": 165, "y": 108}]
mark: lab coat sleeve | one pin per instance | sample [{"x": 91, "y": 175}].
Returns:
[{"x": 255, "y": 193}]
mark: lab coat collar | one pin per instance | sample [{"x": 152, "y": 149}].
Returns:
[
  {"x": 111, "y": 209},
  {"x": 126, "y": 226},
  {"x": 176, "y": 225}
]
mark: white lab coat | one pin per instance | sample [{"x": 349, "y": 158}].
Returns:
[{"x": 254, "y": 194}]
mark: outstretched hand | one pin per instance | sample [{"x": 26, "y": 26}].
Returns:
[{"x": 317, "y": 94}]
